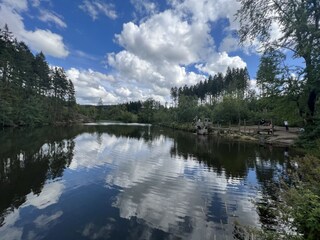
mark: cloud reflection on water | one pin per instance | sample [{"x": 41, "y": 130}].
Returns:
[
  {"x": 8, "y": 230},
  {"x": 136, "y": 183},
  {"x": 168, "y": 192},
  {"x": 49, "y": 195}
]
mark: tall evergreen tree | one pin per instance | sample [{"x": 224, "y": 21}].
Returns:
[
  {"x": 26, "y": 86},
  {"x": 71, "y": 94},
  {"x": 23, "y": 65},
  {"x": 42, "y": 81}
]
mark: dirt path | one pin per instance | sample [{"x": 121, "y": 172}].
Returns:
[{"x": 279, "y": 137}]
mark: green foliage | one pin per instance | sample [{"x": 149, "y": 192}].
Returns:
[
  {"x": 230, "y": 110},
  {"x": 277, "y": 108},
  {"x": 305, "y": 210},
  {"x": 147, "y": 111},
  {"x": 310, "y": 138},
  {"x": 292, "y": 98},
  {"x": 126, "y": 116},
  {"x": 269, "y": 75},
  {"x": 205, "y": 111},
  {"x": 296, "y": 207},
  {"x": 302, "y": 197},
  {"x": 112, "y": 113},
  {"x": 234, "y": 83},
  {"x": 187, "y": 108},
  {"x": 31, "y": 93},
  {"x": 163, "y": 116},
  {"x": 298, "y": 23},
  {"x": 89, "y": 112}
]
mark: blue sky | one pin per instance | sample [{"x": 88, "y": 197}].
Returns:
[{"x": 131, "y": 50}]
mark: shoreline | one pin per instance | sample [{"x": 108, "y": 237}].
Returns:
[{"x": 280, "y": 137}]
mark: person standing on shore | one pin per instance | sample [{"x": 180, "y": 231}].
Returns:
[{"x": 286, "y": 125}]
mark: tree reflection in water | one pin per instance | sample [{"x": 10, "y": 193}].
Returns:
[
  {"x": 27, "y": 162},
  {"x": 234, "y": 160},
  {"x": 30, "y": 158}
]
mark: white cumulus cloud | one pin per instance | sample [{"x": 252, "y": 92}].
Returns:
[
  {"x": 39, "y": 40},
  {"x": 174, "y": 47},
  {"x": 165, "y": 37},
  {"x": 47, "y": 42},
  {"x": 90, "y": 86},
  {"x": 219, "y": 62}
]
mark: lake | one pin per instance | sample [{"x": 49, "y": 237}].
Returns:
[{"x": 118, "y": 181}]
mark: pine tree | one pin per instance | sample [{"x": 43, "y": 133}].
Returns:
[
  {"x": 42, "y": 81},
  {"x": 26, "y": 87}
]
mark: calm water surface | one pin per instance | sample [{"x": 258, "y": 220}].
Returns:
[{"x": 130, "y": 182}]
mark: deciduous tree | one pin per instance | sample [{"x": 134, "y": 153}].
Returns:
[{"x": 298, "y": 23}]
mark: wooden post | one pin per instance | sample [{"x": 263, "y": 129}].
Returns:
[{"x": 272, "y": 127}]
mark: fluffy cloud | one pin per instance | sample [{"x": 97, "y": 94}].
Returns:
[
  {"x": 90, "y": 86},
  {"x": 123, "y": 91},
  {"x": 165, "y": 48},
  {"x": 47, "y": 42},
  {"x": 166, "y": 37},
  {"x": 173, "y": 47},
  {"x": 96, "y": 7},
  {"x": 151, "y": 75},
  {"x": 39, "y": 40},
  {"x": 219, "y": 62}
]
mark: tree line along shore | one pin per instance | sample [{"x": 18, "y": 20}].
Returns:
[{"x": 32, "y": 93}]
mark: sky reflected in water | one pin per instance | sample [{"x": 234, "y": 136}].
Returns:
[{"x": 130, "y": 182}]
